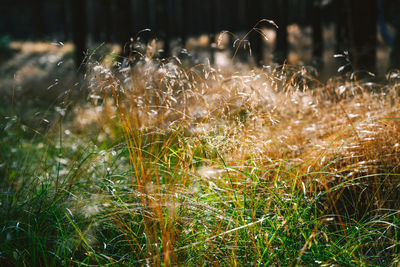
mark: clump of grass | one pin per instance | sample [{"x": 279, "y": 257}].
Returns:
[
  {"x": 282, "y": 121},
  {"x": 200, "y": 165}
]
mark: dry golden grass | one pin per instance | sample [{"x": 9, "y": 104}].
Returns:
[
  {"x": 341, "y": 130},
  {"x": 180, "y": 164}
]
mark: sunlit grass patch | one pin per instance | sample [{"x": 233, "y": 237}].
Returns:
[{"x": 172, "y": 163}]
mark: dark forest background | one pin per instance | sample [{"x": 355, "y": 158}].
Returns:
[{"x": 357, "y": 23}]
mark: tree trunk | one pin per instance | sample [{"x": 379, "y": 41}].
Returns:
[
  {"x": 395, "y": 54},
  {"x": 254, "y": 15},
  {"x": 124, "y": 26},
  {"x": 105, "y": 11},
  {"x": 363, "y": 20},
  {"x": 65, "y": 17},
  {"x": 317, "y": 39},
  {"x": 341, "y": 26},
  {"x": 78, "y": 20},
  {"x": 186, "y": 20},
  {"x": 163, "y": 25},
  {"x": 38, "y": 23},
  {"x": 91, "y": 20},
  {"x": 282, "y": 46}
]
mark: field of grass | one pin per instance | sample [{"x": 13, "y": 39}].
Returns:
[{"x": 171, "y": 163}]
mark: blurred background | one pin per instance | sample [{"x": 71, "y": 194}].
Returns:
[
  {"x": 310, "y": 31},
  {"x": 43, "y": 43}
]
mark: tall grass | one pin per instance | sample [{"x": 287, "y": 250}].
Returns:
[{"x": 176, "y": 164}]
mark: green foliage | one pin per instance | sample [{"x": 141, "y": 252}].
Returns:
[
  {"x": 5, "y": 51},
  {"x": 90, "y": 211},
  {"x": 4, "y": 41}
]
